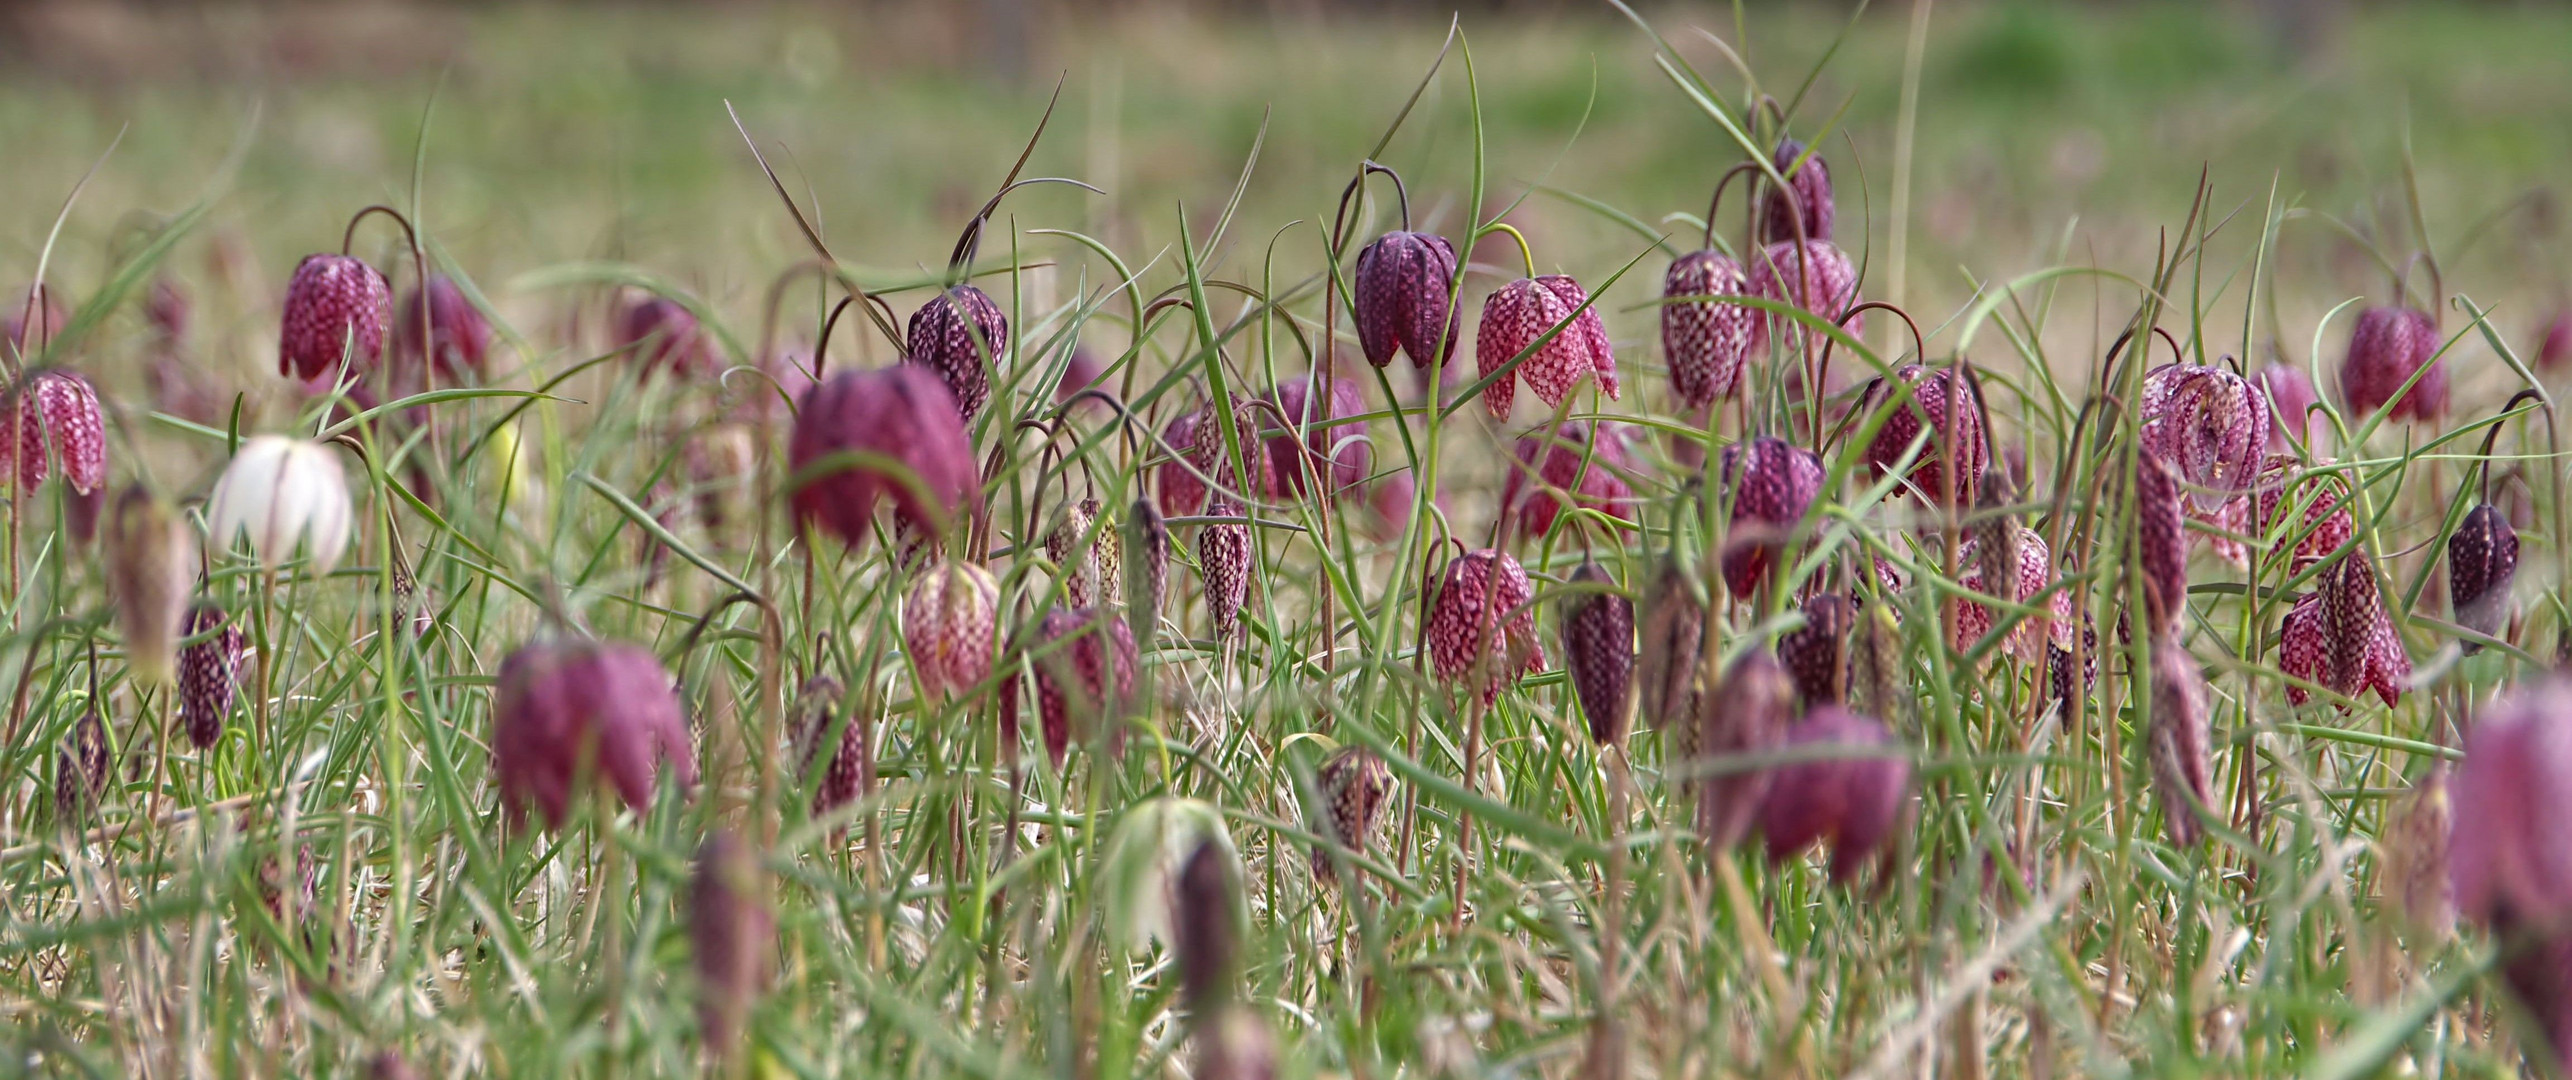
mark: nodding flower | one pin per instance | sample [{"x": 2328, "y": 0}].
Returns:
[
  {"x": 2509, "y": 858},
  {"x": 2342, "y": 636},
  {"x": 55, "y": 409},
  {"x": 336, "y": 308},
  {"x": 1574, "y": 469},
  {"x": 1223, "y": 555},
  {"x": 2482, "y": 561},
  {"x": 1942, "y": 403},
  {"x": 664, "y": 334},
  {"x": 1402, "y": 299},
  {"x": 2178, "y": 742},
  {"x": 2213, "y": 426},
  {"x": 1479, "y": 623},
  {"x": 2290, "y": 404},
  {"x": 1352, "y": 783},
  {"x": 280, "y": 493},
  {"x": 1817, "y": 653},
  {"x": 952, "y": 335},
  {"x": 862, "y": 436},
  {"x": 572, "y": 712},
  {"x": 1669, "y": 652},
  {"x": 2387, "y": 347},
  {"x": 1849, "y": 802},
  {"x": 1772, "y": 484},
  {"x": 460, "y": 335},
  {"x": 846, "y": 766},
  {"x": 1515, "y": 316},
  {"x": 1085, "y": 675},
  {"x": 1598, "y": 651},
  {"x": 1745, "y": 715},
  {"x": 1335, "y": 448},
  {"x": 1825, "y": 290},
  {"x": 1705, "y": 341},
  {"x": 951, "y": 625},
  {"x": 1810, "y": 198},
  {"x": 209, "y": 672},
  {"x": 732, "y": 931}
]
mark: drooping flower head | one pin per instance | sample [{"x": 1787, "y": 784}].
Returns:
[
  {"x": 1669, "y": 652},
  {"x": 1817, "y": 653},
  {"x": 2482, "y": 561},
  {"x": 1849, "y": 802},
  {"x": 2209, "y": 423},
  {"x": 1744, "y": 716},
  {"x": 571, "y": 711},
  {"x": 953, "y": 335},
  {"x": 2342, "y": 636},
  {"x": 57, "y": 430},
  {"x": 84, "y": 771},
  {"x": 893, "y": 433},
  {"x": 2290, "y": 403},
  {"x": 1183, "y": 492},
  {"x": 1827, "y": 289},
  {"x": 1810, "y": 197},
  {"x": 2161, "y": 541},
  {"x": 1772, "y": 485},
  {"x": 2555, "y": 352},
  {"x": 1515, "y": 316},
  {"x": 1223, "y": 554},
  {"x": 1084, "y": 675},
  {"x": 1402, "y": 299},
  {"x": 2510, "y": 858},
  {"x": 2178, "y": 742},
  {"x": 2388, "y": 345},
  {"x": 1941, "y": 404},
  {"x": 2033, "y": 574},
  {"x": 664, "y": 334},
  {"x": 1335, "y": 449},
  {"x": 950, "y": 624},
  {"x": 1569, "y": 469},
  {"x": 1705, "y": 340},
  {"x": 1480, "y": 625},
  {"x": 336, "y": 307},
  {"x": 732, "y": 934},
  {"x": 1598, "y": 651},
  {"x": 1352, "y": 783},
  {"x": 461, "y": 335},
  {"x": 281, "y": 493},
  {"x": 847, "y": 764},
  {"x": 2326, "y": 523}
]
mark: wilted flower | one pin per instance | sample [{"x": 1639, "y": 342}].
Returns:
[
  {"x": 1086, "y": 672},
  {"x": 209, "y": 673},
  {"x": 733, "y": 933},
  {"x": 901, "y": 426},
  {"x": 1352, "y": 783},
  {"x": 1575, "y": 470},
  {"x": 1831, "y": 287},
  {"x": 462, "y": 336},
  {"x": 1745, "y": 716},
  {"x": 336, "y": 307},
  {"x": 1705, "y": 341},
  {"x": 1672, "y": 641},
  {"x": 152, "y": 561},
  {"x": 81, "y": 774},
  {"x": 2342, "y": 636},
  {"x": 952, "y": 335},
  {"x": 1598, "y": 651},
  {"x": 950, "y": 625},
  {"x": 2482, "y": 559},
  {"x": 1183, "y": 492},
  {"x": 1850, "y": 801},
  {"x": 2509, "y": 857},
  {"x": 2211, "y": 425},
  {"x": 1205, "y": 923},
  {"x": 1401, "y": 295},
  {"x": 572, "y": 709},
  {"x": 1772, "y": 484},
  {"x": 664, "y": 333},
  {"x": 1223, "y": 555},
  {"x": 2161, "y": 540},
  {"x": 2388, "y": 345},
  {"x": 1479, "y": 622},
  {"x": 1335, "y": 449},
  {"x": 2178, "y": 742},
  {"x": 848, "y": 771},
  {"x": 2290, "y": 402},
  {"x": 279, "y": 493},
  {"x": 1515, "y": 315},
  {"x": 1811, "y": 197},
  {"x": 1941, "y": 403},
  {"x": 56, "y": 409},
  {"x": 1816, "y": 653}
]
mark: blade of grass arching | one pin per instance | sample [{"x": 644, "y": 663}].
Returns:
[
  {"x": 2260, "y": 270},
  {"x": 1815, "y": 74},
  {"x": 1240, "y": 185},
  {"x": 1665, "y": 49},
  {"x": 1972, "y": 319},
  {"x": 643, "y": 519},
  {"x": 1588, "y": 105}
]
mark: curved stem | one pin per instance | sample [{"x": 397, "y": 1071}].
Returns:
[
  {"x": 822, "y": 345},
  {"x": 1717, "y": 201},
  {"x": 1525, "y": 253},
  {"x": 2493, "y": 435}
]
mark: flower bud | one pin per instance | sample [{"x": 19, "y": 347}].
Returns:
[
  {"x": 336, "y": 306},
  {"x": 1352, "y": 783},
  {"x": 950, "y": 624},
  {"x": 663, "y": 333},
  {"x": 571, "y": 710},
  {"x": 1705, "y": 341},
  {"x": 953, "y": 335},
  {"x": 209, "y": 673},
  {"x": 2510, "y": 859},
  {"x": 1829, "y": 289},
  {"x": 1941, "y": 402},
  {"x": 2482, "y": 559},
  {"x": 1400, "y": 293},
  {"x": 733, "y": 933},
  {"x": 1223, "y": 555},
  {"x": 1850, "y": 801},
  {"x": 1084, "y": 674},
  {"x": 2388, "y": 345},
  {"x": 1332, "y": 446},
  {"x": 1673, "y": 636},
  {"x": 848, "y": 772},
  {"x": 2178, "y": 742},
  {"x": 1772, "y": 485},
  {"x": 1206, "y": 924},
  {"x": 1598, "y": 651},
  {"x": 2161, "y": 539},
  {"x": 2290, "y": 401},
  {"x": 1745, "y": 717},
  {"x": 152, "y": 560},
  {"x": 461, "y": 335},
  {"x": 2211, "y": 425},
  {"x": 1147, "y": 572},
  {"x": 1479, "y": 622},
  {"x": 56, "y": 409},
  {"x": 892, "y": 433},
  {"x": 1810, "y": 199},
  {"x": 1574, "y": 471},
  {"x": 1515, "y": 316},
  {"x": 281, "y": 493},
  {"x": 81, "y": 774},
  {"x": 1815, "y": 654}
]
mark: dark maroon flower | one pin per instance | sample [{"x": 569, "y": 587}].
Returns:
[
  {"x": 663, "y": 333},
  {"x": 1598, "y": 651},
  {"x": 952, "y": 335},
  {"x": 1479, "y": 624},
  {"x": 850, "y": 767},
  {"x": 56, "y": 409},
  {"x": 81, "y": 774},
  {"x": 892, "y": 433},
  {"x": 1205, "y": 924},
  {"x": 1772, "y": 485},
  {"x": 462, "y": 336},
  {"x": 1942, "y": 404},
  {"x": 30, "y": 327},
  {"x": 1777, "y": 273},
  {"x": 1352, "y": 783},
  {"x": 1705, "y": 341},
  {"x": 1574, "y": 471},
  {"x": 2556, "y": 351},
  {"x": 2510, "y": 859},
  {"x": 2178, "y": 742},
  {"x": 336, "y": 306},
  {"x": 1745, "y": 716},
  {"x": 209, "y": 672},
  {"x": 1402, "y": 300},
  {"x": 1669, "y": 653},
  {"x": 2388, "y": 345},
  {"x": 1849, "y": 801},
  {"x": 1223, "y": 555},
  {"x": 2290, "y": 403},
  {"x": 1816, "y": 653},
  {"x": 1081, "y": 371},
  {"x": 2342, "y": 636},
  {"x": 733, "y": 933},
  {"x": 2058, "y": 664},
  {"x": 1085, "y": 673},
  {"x": 950, "y": 624},
  {"x": 570, "y": 708},
  {"x": 1515, "y": 316},
  {"x": 1183, "y": 492},
  {"x": 2482, "y": 560},
  {"x": 1811, "y": 197},
  {"x": 1336, "y": 449},
  {"x": 2211, "y": 425},
  {"x": 2161, "y": 538}
]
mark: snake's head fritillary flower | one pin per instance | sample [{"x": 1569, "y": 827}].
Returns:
[
  {"x": 1182, "y": 491},
  {"x": 1208, "y": 454},
  {"x": 1084, "y": 676},
  {"x": 571, "y": 712},
  {"x": 2388, "y": 345},
  {"x": 2290, "y": 404},
  {"x": 2341, "y": 636},
  {"x": 1567, "y": 467},
  {"x": 950, "y": 623},
  {"x": 1772, "y": 485},
  {"x": 2212, "y": 425},
  {"x": 2059, "y": 680},
  {"x": 732, "y": 931},
  {"x": 1333, "y": 446},
  {"x": 59, "y": 431},
  {"x": 1598, "y": 651},
  {"x": 849, "y": 768},
  {"x": 2032, "y": 575},
  {"x": 1067, "y": 545},
  {"x": 2509, "y": 857},
  {"x": 152, "y": 562},
  {"x": 1941, "y": 404},
  {"x": 1352, "y": 783},
  {"x": 209, "y": 672},
  {"x": 1669, "y": 653},
  {"x": 1849, "y": 801},
  {"x": 1705, "y": 340},
  {"x": 1082, "y": 371},
  {"x": 2161, "y": 540},
  {"x": 954, "y": 335},
  {"x": 1811, "y": 199},
  {"x": 893, "y": 433},
  {"x": 1817, "y": 653},
  {"x": 281, "y": 494},
  {"x": 2482, "y": 560},
  {"x": 461, "y": 336},
  {"x": 1402, "y": 299},
  {"x": 2555, "y": 353},
  {"x": 81, "y": 772},
  {"x": 2321, "y": 490},
  {"x": 1205, "y": 923},
  {"x": 1516, "y": 316},
  {"x": 336, "y": 308},
  {"x": 1745, "y": 715},
  {"x": 664, "y": 334},
  {"x": 2178, "y": 742},
  {"x": 1480, "y": 626},
  {"x": 1223, "y": 555},
  {"x": 1829, "y": 288}
]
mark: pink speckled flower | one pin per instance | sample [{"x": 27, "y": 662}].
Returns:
[
  {"x": 1772, "y": 484},
  {"x": 2342, "y": 636},
  {"x": 1568, "y": 470},
  {"x": 2211, "y": 424},
  {"x": 954, "y": 334},
  {"x": 2510, "y": 859},
  {"x": 665, "y": 335},
  {"x": 1401, "y": 298},
  {"x": 1084, "y": 676},
  {"x": 1941, "y": 402},
  {"x": 1334, "y": 447},
  {"x": 2388, "y": 345},
  {"x": 56, "y": 410},
  {"x": 950, "y": 624},
  {"x": 570, "y": 710},
  {"x": 1811, "y": 199},
  {"x": 1515, "y": 315},
  {"x": 336, "y": 306},
  {"x": 2290, "y": 402},
  {"x": 462, "y": 336},
  {"x": 1480, "y": 625},
  {"x": 1183, "y": 492},
  {"x": 1829, "y": 289},
  {"x": 1705, "y": 340},
  {"x": 862, "y": 436},
  {"x": 2035, "y": 573}
]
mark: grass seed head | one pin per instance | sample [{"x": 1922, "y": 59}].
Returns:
[{"x": 336, "y": 306}]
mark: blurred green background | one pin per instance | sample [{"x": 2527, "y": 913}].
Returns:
[{"x": 2047, "y": 133}]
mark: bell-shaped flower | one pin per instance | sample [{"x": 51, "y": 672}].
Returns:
[{"x": 281, "y": 494}]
